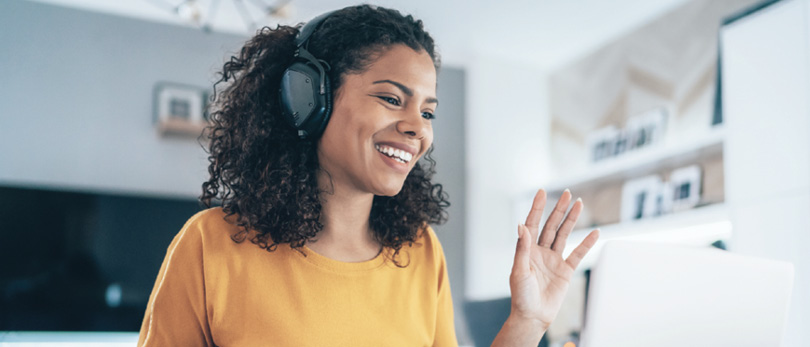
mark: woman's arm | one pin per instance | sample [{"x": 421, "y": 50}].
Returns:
[
  {"x": 540, "y": 276},
  {"x": 520, "y": 332}
]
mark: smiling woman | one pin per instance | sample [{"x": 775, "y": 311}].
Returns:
[
  {"x": 348, "y": 199},
  {"x": 314, "y": 153}
]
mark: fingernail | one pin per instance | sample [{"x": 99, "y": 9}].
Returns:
[
  {"x": 566, "y": 190},
  {"x": 579, "y": 199}
]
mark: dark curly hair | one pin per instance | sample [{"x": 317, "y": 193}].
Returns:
[{"x": 264, "y": 174}]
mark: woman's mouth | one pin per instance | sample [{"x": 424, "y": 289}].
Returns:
[{"x": 394, "y": 153}]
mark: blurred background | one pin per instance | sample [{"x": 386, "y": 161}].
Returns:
[{"x": 677, "y": 121}]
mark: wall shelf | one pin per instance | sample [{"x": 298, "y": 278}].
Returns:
[{"x": 642, "y": 162}]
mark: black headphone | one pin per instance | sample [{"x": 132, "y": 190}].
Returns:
[{"x": 305, "y": 93}]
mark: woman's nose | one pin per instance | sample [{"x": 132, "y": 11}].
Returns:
[{"x": 412, "y": 124}]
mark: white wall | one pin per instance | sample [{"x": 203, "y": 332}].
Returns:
[
  {"x": 766, "y": 84},
  {"x": 507, "y": 155}
]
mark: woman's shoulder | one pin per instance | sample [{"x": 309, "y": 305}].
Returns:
[
  {"x": 427, "y": 244},
  {"x": 213, "y": 216},
  {"x": 427, "y": 235},
  {"x": 211, "y": 223}
]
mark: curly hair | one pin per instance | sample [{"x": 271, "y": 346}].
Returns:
[{"x": 262, "y": 172}]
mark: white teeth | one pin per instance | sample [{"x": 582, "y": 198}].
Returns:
[{"x": 397, "y": 154}]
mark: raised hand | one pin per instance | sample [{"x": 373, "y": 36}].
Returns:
[{"x": 540, "y": 276}]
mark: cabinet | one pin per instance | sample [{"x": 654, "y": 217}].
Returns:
[{"x": 766, "y": 85}]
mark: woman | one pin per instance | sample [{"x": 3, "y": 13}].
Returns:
[{"x": 327, "y": 188}]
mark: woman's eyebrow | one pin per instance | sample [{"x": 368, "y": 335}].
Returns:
[{"x": 407, "y": 90}]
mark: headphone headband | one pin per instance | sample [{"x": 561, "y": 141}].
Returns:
[{"x": 309, "y": 28}]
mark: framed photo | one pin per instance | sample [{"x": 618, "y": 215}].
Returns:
[
  {"x": 602, "y": 143},
  {"x": 647, "y": 128},
  {"x": 622, "y": 142},
  {"x": 179, "y": 109},
  {"x": 641, "y": 198},
  {"x": 685, "y": 187},
  {"x": 640, "y": 131},
  {"x": 664, "y": 202}
]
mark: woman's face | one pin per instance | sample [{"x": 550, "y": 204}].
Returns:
[{"x": 381, "y": 122}]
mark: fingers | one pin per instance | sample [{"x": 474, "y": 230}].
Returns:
[
  {"x": 567, "y": 226},
  {"x": 576, "y": 256},
  {"x": 533, "y": 220},
  {"x": 553, "y": 222},
  {"x": 522, "y": 251}
]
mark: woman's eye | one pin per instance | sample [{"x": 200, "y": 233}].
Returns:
[
  {"x": 390, "y": 100},
  {"x": 428, "y": 115}
]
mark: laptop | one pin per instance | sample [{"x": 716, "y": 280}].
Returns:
[{"x": 649, "y": 294}]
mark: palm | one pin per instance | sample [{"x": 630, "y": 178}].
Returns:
[{"x": 540, "y": 276}]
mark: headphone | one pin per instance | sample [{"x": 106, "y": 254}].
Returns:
[{"x": 305, "y": 92}]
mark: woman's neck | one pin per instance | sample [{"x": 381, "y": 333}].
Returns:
[{"x": 346, "y": 234}]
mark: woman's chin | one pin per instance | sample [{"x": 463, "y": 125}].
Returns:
[{"x": 389, "y": 189}]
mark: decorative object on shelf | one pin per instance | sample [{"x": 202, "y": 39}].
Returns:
[
  {"x": 641, "y": 198},
  {"x": 647, "y": 128},
  {"x": 640, "y": 131},
  {"x": 664, "y": 199},
  {"x": 650, "y": 196},
  {"x": 602, "y": 142},
  {"x": 685, "y": 187},
  {"x": 179, "y": 109}
]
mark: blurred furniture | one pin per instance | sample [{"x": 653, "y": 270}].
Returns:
[{"x": 485, "y": 318}]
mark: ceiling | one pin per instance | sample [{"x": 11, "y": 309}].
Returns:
[{"x": 545, "y": 34}]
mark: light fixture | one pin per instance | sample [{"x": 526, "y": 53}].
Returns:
[{"x": 191, "y": 11}]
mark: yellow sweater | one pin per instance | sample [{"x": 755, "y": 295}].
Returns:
[{"x": 213, "y": 291}]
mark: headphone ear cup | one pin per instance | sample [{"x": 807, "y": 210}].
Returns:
[{"x": 302, "y": 104}]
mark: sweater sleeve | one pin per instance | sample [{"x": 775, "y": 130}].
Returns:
[
  {"x": 176, "y": 312},
  {"x": 445, "y": 326}
]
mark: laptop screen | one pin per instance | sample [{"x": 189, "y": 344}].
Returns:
[{"x": 648, "y": 294}]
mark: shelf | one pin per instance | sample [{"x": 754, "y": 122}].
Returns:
[
  {"x": 697, "y": 227},
  {"x": 181, "y": 127},
  {"x": 642, "y": 162}
]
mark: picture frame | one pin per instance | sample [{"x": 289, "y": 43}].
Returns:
[
  {"x": 685, "y": 187},
  {"x": 602, "y": 143},
  {"x": 664, "y": 200},
  {"x": 641, "y": 198},
  {"x": 639, "y": 131},
  {"x": 647, "y": 128},
  {"x": 622, "y": 143},
  {"x": 179, "y": 109}
]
